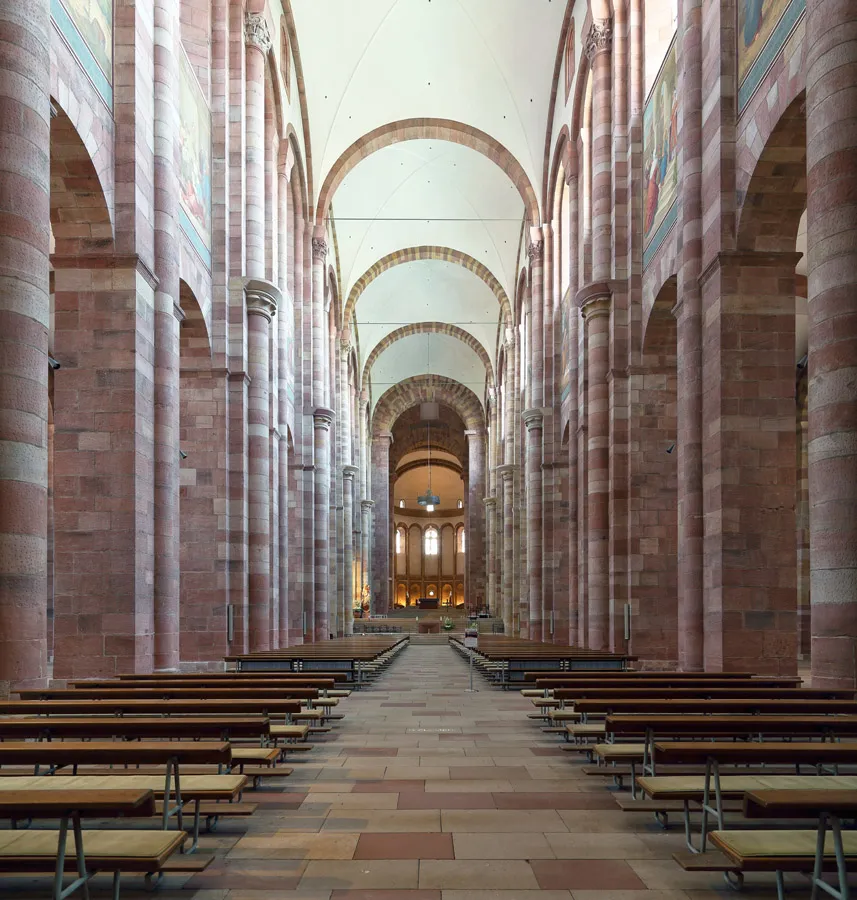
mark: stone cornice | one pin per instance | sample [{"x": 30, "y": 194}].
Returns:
[
  {"x": 107, "y": 261},
  {"x": 256, "y": 32},
  {"x": 750, "y": 258}
]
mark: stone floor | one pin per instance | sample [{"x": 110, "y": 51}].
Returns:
[{"x": 427, "y": 792}]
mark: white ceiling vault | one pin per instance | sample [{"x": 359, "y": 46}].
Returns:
[{"x": 487, "y": 64}]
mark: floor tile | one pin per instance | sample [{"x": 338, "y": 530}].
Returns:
[
  {"x": 505, "y": 845},
  {"x": 414, "y": 845},
  {"x": 481, "y": 874},
  {"x": 586, "y": 874},
  {"x": 501, "y": 820},
  {"x": 361, "y": 874}
]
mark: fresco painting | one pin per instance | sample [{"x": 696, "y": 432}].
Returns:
[
  {"x": 195, "y": 171},
  {"x": 757, "y": 20},
  {"x": 94, "y": 20},
  {"x": 660, "y": 150}
]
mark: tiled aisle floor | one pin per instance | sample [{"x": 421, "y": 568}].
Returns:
[{"x": 425, "y": 792}]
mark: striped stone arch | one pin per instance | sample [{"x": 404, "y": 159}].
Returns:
[
  {"x": 413, "y": 254},
  {"x": 426, "y": 388},
  {"x": 428, "y": 328},
  {"x": 427, "y": 129}
]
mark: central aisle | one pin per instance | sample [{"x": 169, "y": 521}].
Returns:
[{"x": 430, "y": 793}]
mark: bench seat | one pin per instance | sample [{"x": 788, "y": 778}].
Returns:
[
  {"x": 692, "y": 787},
  {"x": 290, "y": 732},
  {"x": 106, "y": 850},
  {"x": 784, "y": 851},
  {"x": 193, "y": 787}
]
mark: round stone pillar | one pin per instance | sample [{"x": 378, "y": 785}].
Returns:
[
  {"x": 491, "y": 552},
  {"x": 261, "y": 308},
  {"x": 258, "y": 40},
  {"x": 348, "y": 473},
  {"x": 322, "y": 420},
  {"x": 168, "y": 316},
  {"x": 366, "y": 507},
  {"x": 24, "y": 311},
  {"x": 831, "y": 109},
  {"x": 507, "y": 475},
  {"x": 380, "y": 534},
  {"x": 599, "y": 43},
  {"x": 594, "y": 302},
  {"x": 534, "y": 422},
  {"x": 474, "y": 556}
]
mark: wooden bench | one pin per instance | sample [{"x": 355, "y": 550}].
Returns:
[
  {"x": 796, "y": 851},
  {"x": 727, "y": 705},
  {"x": 192, "y": 789},
  {"x": 135, "y": 727},
  {"x": 123, "y": 692},
  {"x": 124, "y": 707},
  {"x": 699, "y": 788}
]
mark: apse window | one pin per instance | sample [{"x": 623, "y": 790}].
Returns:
[
  {"x": 461, "y": 504},
  {"x": 401, "y": 504},
  {"x": 400, "y": 540},
  {"x": 461, "y": 540},
  {"x": 432, "y": 542}
]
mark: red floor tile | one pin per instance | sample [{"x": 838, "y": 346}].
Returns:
[
  {"x": 585, "y": 874},
  {"x": 412, "y": 845}
]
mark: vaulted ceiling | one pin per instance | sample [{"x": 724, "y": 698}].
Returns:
[{"x": 485, "y": 64}]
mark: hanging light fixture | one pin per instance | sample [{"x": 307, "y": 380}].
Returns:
[{"x": 428, "y": 500}]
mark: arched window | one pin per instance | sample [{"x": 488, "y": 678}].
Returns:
[
  {"x": 461, "y": 504},
  {"x": 401, "y": 504},
  {"x": 400, "y": 540},
  {"x": 460, "y": 541},
  {"x": 431, "y": 541}
]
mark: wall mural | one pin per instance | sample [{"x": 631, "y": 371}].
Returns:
[
  {"x": 660, "y": 156},
  {"x": 87, "y": 26},
  {"x": 195, "y": 171},
  {"x": 763, "y": 28}
]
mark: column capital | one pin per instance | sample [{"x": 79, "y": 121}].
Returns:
[
  {"x": 323, "y": 418},
  {"x": 599, "y": 39},
  {"x": 344, "y": 349},
  {"x": 348, "y": 472},
  {"x": 509, "y": 339},
  {"x": 383, "y": 436},
  {"x": 533, "y": 418},
  {"x": 367, "y": 505},
  {"x": 490, "y": 502},
  {"x": 536, "y": 247},
  {"x": 507, "y": 471},
  {"x": 256, "y": 32},
  {"x": 474, "y": 433},
  {"x": 594, "y": 299},
  {"x": 262, "y": 298},
  {"x": 319, "y": 243}
]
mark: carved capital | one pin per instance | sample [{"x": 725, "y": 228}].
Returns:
[
  {"x": 367, "y": 505},
  {"x": 262, "y": 298},
  {"x": 536, "y": 252},
  {"x": 533, "y": 418},
  {"x": 319, "y": 249},
  {"x": 599, "y": 39},
  {"x": 323, "y": 418},
  {"x": 348, "y": 472},
  {"x": 344, "y": 349},
  {"x": 507, "y": 472},
  {"x": 256, "y": 32}
]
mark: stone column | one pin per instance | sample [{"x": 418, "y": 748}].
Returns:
[
  {"x": 25, "y": 32},
  {"x": 831, "y": 109},
  {"x": 322, "y": 420},
  {"x": 474, "y": 557},
  {"x": 534, "y": 422},
  {"x": 534, "y": 449},
  {"x": 688, "y": 313},
  {"x": 507, "y": 475},
  {"x": 284, "y": 321},
  {"x": 366, "y": 507},
  {"x": 381, "y": 531},
  {"x": 258, "y": 41},
  {"x": 598, "y": 48},
  {"x": 168, "y": 315},
  {"x": 490, "y": 504},
  {"x": 262, "y": 300},
  {"x": 594, "y": 302},
  {"x": 348, "y": 473}
]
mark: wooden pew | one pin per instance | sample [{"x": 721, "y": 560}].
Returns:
[
  {"x": 796, "y": 851},
  {"x": 232, "y": 675},
  {"x": 193, "y": 789},
  {"x": 629, "y": 674},
  {"x": 727, "y": 705},
  {"x": 135, "y": 727},
  {"x": 120, "y": 692},
  {"x": 124, "y": 707},
  {"x": 100, "y": 850}
]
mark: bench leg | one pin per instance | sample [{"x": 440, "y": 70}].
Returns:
[
  {"x": 818, "y": 883},
  {"x": 117, "y": 884},
  {"x": 83, "y": 876}
]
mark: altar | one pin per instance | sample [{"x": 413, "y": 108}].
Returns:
[{"x": 428, "y": 603}]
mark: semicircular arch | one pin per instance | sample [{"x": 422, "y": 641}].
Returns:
[
  {"x": 427, "y": 328},
  {"x": 413, "y": 254},
  {"x": 428, "y": 388},
  {"x": 427, "y": 129}
]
